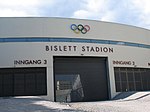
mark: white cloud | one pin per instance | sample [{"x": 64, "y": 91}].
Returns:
[
  {"x": 81, "y": 14},
  {"x": 16, "y": 8},
  {"x": 12, "y": 13},
  {"x": 19, "y": 2},
  {"x": 95, "y": 9},
  {"x": 142, "y": 9},
  {"x": 109, "y": 16},
  {"x": 133, "y": 12},
  {"x": 143, "y": 5},
  {"x": 95, "y": 5}
]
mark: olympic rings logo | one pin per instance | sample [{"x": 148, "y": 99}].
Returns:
[{"x": 80, "y": 28}]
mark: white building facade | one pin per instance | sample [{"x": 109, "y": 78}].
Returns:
[{"x": 72, "y": 60}]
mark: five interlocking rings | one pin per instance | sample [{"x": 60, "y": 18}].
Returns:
[{"x": 80, "y": 28}]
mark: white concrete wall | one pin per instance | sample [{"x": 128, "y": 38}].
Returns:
[
  {"x": 36, "y": 51},
  {"x": 54, "y": 27}
]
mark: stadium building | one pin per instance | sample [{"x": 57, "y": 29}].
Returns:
[{"x": 71, "y": 60}]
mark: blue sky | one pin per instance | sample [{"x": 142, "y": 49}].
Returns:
[{"x": 131, "y": 12}]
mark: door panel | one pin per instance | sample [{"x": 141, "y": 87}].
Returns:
[
  {"x": 93, "y": 77},
  {"x": 19, "y": 84},
  {"x": 23, "y": 81},
  {"x": 8, "y": 84},
  {"x": 41, "y": 83},
  {"x": 1, "y": 85}
]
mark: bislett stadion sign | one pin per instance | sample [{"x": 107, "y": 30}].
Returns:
[{"x": 74, "y": 48}]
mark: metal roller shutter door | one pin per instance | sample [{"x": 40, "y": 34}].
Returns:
[
  {"x": 93, "y": 76},
  {"x": 22, "y": 81}
]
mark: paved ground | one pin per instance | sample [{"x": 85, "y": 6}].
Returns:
[
  {"x": 127, "y": 102},
  {"x": 131, "y": 102},
  {"x": 32, "y": 104}
]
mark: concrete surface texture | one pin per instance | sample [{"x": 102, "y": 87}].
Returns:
[
  {"x": 124, "y": 102},
  {"x": 32, "y": 104}
]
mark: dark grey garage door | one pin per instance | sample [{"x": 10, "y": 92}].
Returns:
[
  {"x": 22, "y": 81},
  {"x": 80, "y": 79},
  {"x": 132, "y": 79}
]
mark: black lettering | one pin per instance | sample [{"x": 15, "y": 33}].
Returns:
[
  {"x": 28, "y": 62},
  {"x": 114, "y": 62},
  {"x": 69, "y": 48},
  {"x": 128, "y": 63},
  {"x": 39, "y": 61},
  {"x": 87, "y": 48},
  {"x": 34, "y": 61},
  {"x": 92, "y": 49},
  {"x": 111, "y": 50},
  {"x": 75, "y": 48},
  {"x": 105, "y": 49},
  {"x": 133, "y": 63},
  {"x": 51, "y": 48},
  {"x": 45, "y": 61},
  {"x": 47, "y": 48},
  {"x": 83, "y": 48},
  {"x": 97, "y": 49},
  {"x": 119, "y": 62},
  {"x": 101, "y": 49},
  {"x": 55, "y": 48},
  {"x": 65, "y": 48},
  {"x": 60, "y": 49},
  {"x": 24, "y": 61},
  {"x": 122, "y": 62},
  {"x": 17, "y": 62}
]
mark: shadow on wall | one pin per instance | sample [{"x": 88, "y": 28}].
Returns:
[{"x": 31, "y": 105}]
